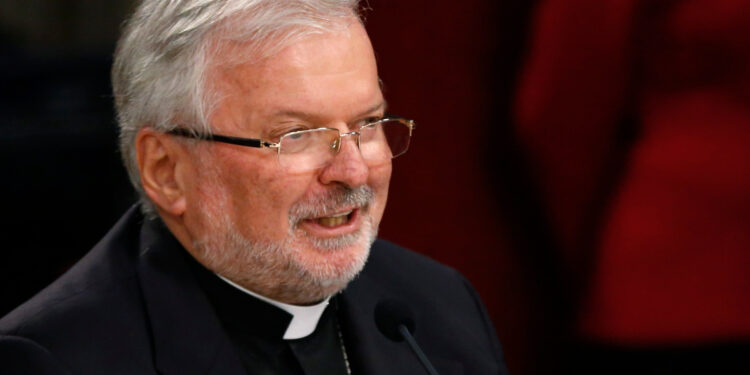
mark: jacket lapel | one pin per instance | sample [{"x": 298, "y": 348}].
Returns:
[{"x": 187, "y": 336}]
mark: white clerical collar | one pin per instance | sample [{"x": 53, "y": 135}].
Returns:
[{"x": 304, "y": 318}]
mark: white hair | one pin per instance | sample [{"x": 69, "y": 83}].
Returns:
[{"x": 162, "y": 58}]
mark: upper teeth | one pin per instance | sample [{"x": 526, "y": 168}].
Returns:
[
  {"x": 342, "y": 214},
  {"x": 334, "y": 220}
]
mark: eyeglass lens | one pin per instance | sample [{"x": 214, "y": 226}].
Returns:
[{"x": 311, "y": 149}]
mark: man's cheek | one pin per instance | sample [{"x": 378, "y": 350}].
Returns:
[{"x": 380, "y": 175}]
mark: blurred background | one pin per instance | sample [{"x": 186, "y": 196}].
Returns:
[{"x": 584, "y": 163}]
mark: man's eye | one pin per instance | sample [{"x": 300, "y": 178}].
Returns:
[
  {"x": 285, "y": 132},
  {"x": 368, "y": 121},
  {"x": 294, "y": 135}
]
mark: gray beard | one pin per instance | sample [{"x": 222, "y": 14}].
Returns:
[{"x": 273, "y": 268}]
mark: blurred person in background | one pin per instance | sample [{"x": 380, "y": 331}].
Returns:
[
  {"x": 635, "y": 116},
  {"x": 257, "y": 136}
]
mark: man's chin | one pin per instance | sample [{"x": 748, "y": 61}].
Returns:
[{"x": 329, "y": 264}]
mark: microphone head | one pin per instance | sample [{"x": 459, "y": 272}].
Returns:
[{"x": 390, "y": 314}]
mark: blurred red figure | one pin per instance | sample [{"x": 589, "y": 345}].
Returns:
[{"x": 636, "y": 118}]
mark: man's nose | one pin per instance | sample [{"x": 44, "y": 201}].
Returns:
[{"x": 347, "y": 167}]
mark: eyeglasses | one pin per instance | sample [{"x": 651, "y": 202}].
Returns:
[{"x": 305, "y": 150}]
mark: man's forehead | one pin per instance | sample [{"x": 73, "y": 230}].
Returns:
[
  {"x": 342, "y": 44},
  {"x": 226, "y": 52},
  {"x": 319, "y": 78}
]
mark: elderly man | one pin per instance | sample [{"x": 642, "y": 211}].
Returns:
[{"x": 256, "y": 133}]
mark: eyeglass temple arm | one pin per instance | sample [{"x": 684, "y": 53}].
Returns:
[
  {"x": 390, "y": 117},
  {"x": 248, "y": 142}
]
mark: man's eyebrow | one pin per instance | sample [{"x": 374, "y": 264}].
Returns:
[
  {"x": 381, "y": 106},
  {"x": 376, "y": 108}
]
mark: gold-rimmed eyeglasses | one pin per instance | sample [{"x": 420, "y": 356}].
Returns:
[{"x": 304, "y": 150}]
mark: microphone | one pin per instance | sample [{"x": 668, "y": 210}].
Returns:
[{"x": 396, "y": 322}]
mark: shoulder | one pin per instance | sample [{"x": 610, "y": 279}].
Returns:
[
  {"x": 102, "y": 275},
  {"x": 96, "y": 306},
  {"x": 20, "y": 355},
  {"x": 387, "y": 254},
  {"x": 393, "y": 265},
  {"x": 428, "y": 286}
]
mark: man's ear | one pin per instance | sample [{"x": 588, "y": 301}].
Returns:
[{"x": 159, "y": 156}]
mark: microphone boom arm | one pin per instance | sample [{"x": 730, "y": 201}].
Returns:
[{"x": 414, "y": 347}]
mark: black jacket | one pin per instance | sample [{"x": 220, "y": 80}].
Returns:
[{"x": 132, "y": 306}]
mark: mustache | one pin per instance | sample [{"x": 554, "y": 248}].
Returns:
[{"x": 332, "y": 201}]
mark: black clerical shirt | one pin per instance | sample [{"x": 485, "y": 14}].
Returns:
[{"x": 256, "y": 329}]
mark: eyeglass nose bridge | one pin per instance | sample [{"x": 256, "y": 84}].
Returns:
[{"x": 336, "y": 146}]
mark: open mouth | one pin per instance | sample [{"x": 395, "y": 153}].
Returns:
[{"x": 336, "y": 220}]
